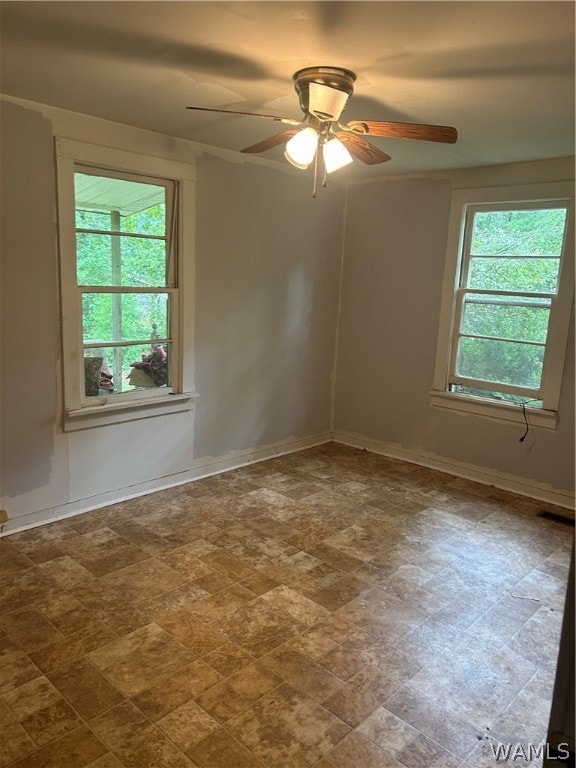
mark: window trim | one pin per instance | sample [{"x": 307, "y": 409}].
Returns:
[
  {"x": 560, "y": 317},
  {"x": 79, "y": 412}
]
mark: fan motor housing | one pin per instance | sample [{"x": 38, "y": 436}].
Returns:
[{"x": 330, "y": 77}]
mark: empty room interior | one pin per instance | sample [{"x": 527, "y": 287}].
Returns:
[{"x": 287, "y": 384}]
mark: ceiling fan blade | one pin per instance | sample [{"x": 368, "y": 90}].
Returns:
[
  {"x": 421, "y": 131},
  {"x": 361, "y": 149},
  {"x": 285, "y": 120},
  {"x": 271, "y": 141}
]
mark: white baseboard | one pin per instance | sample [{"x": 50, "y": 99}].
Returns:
[
  {"x": 207, "y": 467},
  {"x": 484, "y": 475},
  {"x": 204, "y": 467}
]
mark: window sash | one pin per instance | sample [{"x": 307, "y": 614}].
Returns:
[
  {"x": 521, "y": 197},
  {"x": 463, "y": 291},
  {"x": 120, "y": 290},
  {"x": 119, "y": 233},
  {"x": 170, "y": 238},
  {"x": 79, "y": 156},
  {"x": 458, "y": 333}
]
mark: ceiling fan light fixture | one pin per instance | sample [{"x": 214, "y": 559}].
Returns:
[
  {"x": 300, "y": 150},
  {"x": 326, "y": 103},
  {"x": 336, "y": 155}
]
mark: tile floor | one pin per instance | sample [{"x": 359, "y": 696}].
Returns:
[{"x": 327, "y": 609}]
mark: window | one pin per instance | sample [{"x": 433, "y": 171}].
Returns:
[
  {"x": 125, "y": 273},
  {"x": 507, "y": 302}
]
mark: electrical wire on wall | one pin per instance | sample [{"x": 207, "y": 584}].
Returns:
[
  {"x": 524, "y": 404},
  {"x": 521, "y": 439}
]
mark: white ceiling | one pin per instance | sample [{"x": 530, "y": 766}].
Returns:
[{"x": 502, "y": 73}]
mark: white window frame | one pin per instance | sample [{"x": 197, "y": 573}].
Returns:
[
  {"x": 463, "y": 202},
  {"x": 81, "y": 412}
]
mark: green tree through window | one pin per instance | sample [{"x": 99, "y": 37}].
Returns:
[
  {"x": 509, "y": 280},
  {"x": 122, "y": 263}
]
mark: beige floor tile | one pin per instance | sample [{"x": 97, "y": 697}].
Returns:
[
  {"x": 23, "y": 587},
  {"x": 107, "y": 761},
  {"x": 83, "y": 686},
  {"x": 465, "y": 687},
  {"x": 340, "y": 592},
  {"x": 313, "y": 644},
  {"x": 65, "y": 612},
  {"x": 228, "y": 658},
  {"x": 29, "y": 628},
  {"x": 361, "y": 695},
  {"x": 119, "y": 724},
  {"x": 433, "y": 720},
  {"x": 237, "y": 692},
  {"x": 221, "y": 750},
  {"x": 356, "y": 750},
  {"x": 213, "y": 581},
  {"x": 175, "y": 599},
  {"x": 187, "y": 725},
  {"x": 133, "y": 661},
  {"x": 270, "y": 619},
  {"x": 342, "y": 662},
  {"x": 302, "y": 673},
  {"x": 260, "y": 583},
  {"x": 215, "y": 607},
  {"x": 288, "y": 729},
  {"x": 51, "y": 722},
  {"x": 16, "y": 668},
  {"x": 192, "y": 632},
  {"x": 31, "y": 696},
  {"x": 325, "y": 609},
  {"x": 76, "y": 749},
  {"x": 171, "y": 691},
  {"x": 72, "y": 647},
  {"x": 65, "y": 571},
  {"x": 227, "y": 564},
  {"x": 15, "y": 741},
  {"x": 404, "y": 743},
  {"x": 151, "y": 749},
  {"x": 144, "y": 580}
]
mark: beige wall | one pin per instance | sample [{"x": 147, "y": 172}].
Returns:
[
  {"x": 267, "y": 273},
  {"x": 34, "y": 458},
  {"x": 267, "y": 321},
  {"x": 394, "y": 259}
]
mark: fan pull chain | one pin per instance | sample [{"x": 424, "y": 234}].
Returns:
[{"x": 315, "y": 174}]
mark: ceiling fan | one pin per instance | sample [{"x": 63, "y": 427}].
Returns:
[{"x": 323, "y": 93}]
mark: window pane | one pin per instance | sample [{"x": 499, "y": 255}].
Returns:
[
  {"x": 111, "y": 370},
  {"x": 502, "y": 396},
  {"x": 92, "y": 219},
  {"x": 519, "y": 232},
  {"x": 531, "y": 274},
  {"x": 151, "y": 221},
  {"x": 506, "y": 317},
  {"x": 117, "y": 260},
  {"x": 124, "y": 316},
  {"x": 129, "y": 206},
  {"x": 508, "y": 362}
]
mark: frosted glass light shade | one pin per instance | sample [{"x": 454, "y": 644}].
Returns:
[
  {"x": 300, "y": 150},
  {"x": 336, "y": 155}
]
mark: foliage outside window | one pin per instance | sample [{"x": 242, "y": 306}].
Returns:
[
  {"x": 123, "y": 246},
  {"x": 125, "y": 275},
  {"x": 510, "y": 306}
]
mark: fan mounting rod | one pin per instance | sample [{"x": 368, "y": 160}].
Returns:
[{"x": 327, "y": 101}]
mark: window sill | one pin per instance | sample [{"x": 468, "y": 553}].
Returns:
[
  {"x": 537, "y": 417},
  {"x": 128, "y": 410}
]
